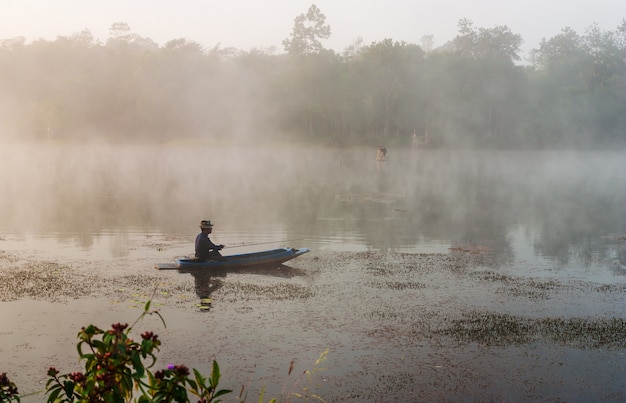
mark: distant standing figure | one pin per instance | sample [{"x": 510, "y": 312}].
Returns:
[
  {"x": 205, "y": 249},
  {"x": 381, "y": 154}
]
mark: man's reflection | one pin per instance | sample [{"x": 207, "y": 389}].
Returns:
[{"x": 207, "y": 281}]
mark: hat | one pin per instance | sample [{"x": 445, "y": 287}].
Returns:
[{"x": 206, "y": 224}]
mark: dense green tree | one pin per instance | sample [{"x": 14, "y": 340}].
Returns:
[
  {"x": 388, "y": 91},
  {"x": 494, "y": 43},
  {"x": 469, "y": 92},
  {"x": 307, "y": 31},
  {"x": 481, "y": 86},
  {"x": 310, "y": 94},
  {"x": 310, "y": 78},
  {"x": 582, "y": 84}
]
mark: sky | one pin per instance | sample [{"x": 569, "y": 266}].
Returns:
[{"x": 263, "y": 24}]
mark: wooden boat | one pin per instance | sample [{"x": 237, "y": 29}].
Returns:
[{"x": 265, "y": 258}]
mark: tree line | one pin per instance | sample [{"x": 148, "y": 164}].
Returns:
[{"x": 470, "y": 92}]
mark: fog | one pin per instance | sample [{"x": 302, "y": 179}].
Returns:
[
  {"x": 469, "y": 93},
  {"x": 567, "y": 206}
]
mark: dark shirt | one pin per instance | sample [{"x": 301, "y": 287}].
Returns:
[{"x": 204, "y": 246}]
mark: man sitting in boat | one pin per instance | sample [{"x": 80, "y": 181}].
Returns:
[{"x": 205, "y": 249}]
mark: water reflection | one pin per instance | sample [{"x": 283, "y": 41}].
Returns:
[
  {"x": 206, "y": 282},
  {"x": 566, "y": 203}
]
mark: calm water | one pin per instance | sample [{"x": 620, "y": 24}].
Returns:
[
  {"x": 543, "y": 213},
  {"x": 119, "y": 210}
]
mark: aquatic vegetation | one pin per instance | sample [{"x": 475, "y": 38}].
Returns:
[
  {"x": 505, "y": 329},
  {"x": 44, "y": 280},
  {"x": 276, "y": 292},
  {"x": 401, "y": 326}
]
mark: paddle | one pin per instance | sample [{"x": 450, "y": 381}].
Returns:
[{"x": 261, "y": 243}]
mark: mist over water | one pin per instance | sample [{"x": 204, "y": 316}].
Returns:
[{"x": 558, "y": 208}]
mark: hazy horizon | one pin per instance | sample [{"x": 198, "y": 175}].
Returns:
[{"x": 245, "y": 24}]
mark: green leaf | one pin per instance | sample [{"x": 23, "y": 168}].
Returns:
[
  {"x": 222, "y": 392},
  {"x": 162, "y": 320},
  {"x": 215, "y": 375},
  {"x": 52, "y": 397},
  {"x": 201, "y": 379},
  {"x": 68, "y": 387}
]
